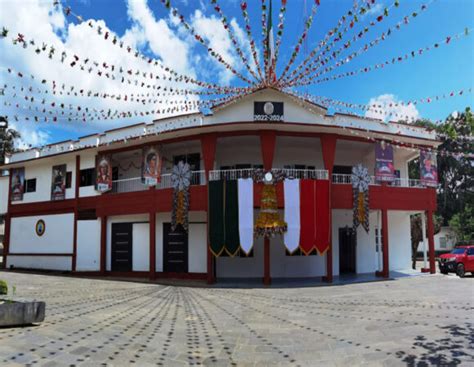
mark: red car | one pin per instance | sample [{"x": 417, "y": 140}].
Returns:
[{"x": 459, "y": 261}]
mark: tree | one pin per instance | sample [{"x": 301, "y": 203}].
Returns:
[
  {"x": 8, "y": 137},
  {"x": 463, "y": 224},
  {"x": 416, "y": 229},
  {"x": 455, "y": 173}
]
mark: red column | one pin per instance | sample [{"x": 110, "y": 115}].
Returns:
[
  {"x": 103, "y": 244},
  {"x": 431, "y": 245},
  {"x": 152, "y": 245},
  {"x": 267, "y": 141},
  {"x": 328, "y": 148},
  {"x": 208, "y": 148},
  {"x": 385, "y": 271},
  {"x": 266, "y": 261}
]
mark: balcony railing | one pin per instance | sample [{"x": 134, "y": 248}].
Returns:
[
  {"x": 199, "y": 178},
  {"x": 233, "y": 174},
  {"x": 398, "y": 182},
  {"x": 135, "y": 183}
]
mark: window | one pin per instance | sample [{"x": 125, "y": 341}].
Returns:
[
  {"x": 470, "y": 251},
  {"x": 442, "y": 242},
  {"x": 87, "y": 177},
  {"x": 342, "y": 170},
  {"x": 68, "y": 180},
  {"x": 31, "y": 185}
]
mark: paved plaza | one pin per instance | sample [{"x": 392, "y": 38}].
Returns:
[{"x": 415, "y": 321}]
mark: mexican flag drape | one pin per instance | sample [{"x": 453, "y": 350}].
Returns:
[
  {"x": 307, "y": 214},
  {"x": 231, "y": 216}
]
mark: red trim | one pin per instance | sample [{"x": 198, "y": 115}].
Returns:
[
  {"x": 266, "y": 261},
  {"x": 208, "y": 149},
  {"x": 431, "y": 245},
  {"x": 103, "y": 244},
  {"x": 152, "y": 225},
  {"x": 39, "y": 254},
  {"x": 425, "y": 270},
  {"x": 6, "y": 237},
  {"x": 192, "y": 276},
  {"x": 267, "y": 141}
]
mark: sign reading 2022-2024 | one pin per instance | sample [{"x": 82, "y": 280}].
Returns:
[{"x": 268, "y": 111}]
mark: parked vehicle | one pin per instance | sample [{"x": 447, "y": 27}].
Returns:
[{"x": 460, "y": 261}]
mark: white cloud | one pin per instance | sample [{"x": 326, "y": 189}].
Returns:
[
  {"x": 388, "y": 107},
  {"x": 40, "y": 21}
]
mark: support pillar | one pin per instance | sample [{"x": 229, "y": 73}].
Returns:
[
  {"x": 386, "y": 269},
  {"x": 208, "y": 148},
  {"x": 103, "y": 244},
  {"x": 328, "y": 147},
  {"x": 431, "y": 245},
  {"x": 425, "y": 268},
  {"x": 6, "y": 239},
  {"x": 266, "y": 261},
  {"x": 152, "y": 275}
]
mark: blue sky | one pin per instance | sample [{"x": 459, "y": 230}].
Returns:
[{"x": 448, "y": 68}]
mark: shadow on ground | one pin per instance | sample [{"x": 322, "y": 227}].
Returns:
[{"x": 445, "y": 351}]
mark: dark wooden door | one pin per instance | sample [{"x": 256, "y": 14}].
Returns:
[
  {"x": 122, "y": 235},
  {"x": 175, "y": 249},
  {"x": 347, "y": 250}
]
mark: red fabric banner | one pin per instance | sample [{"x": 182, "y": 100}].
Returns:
[
  {"x": 307, "y": 215},
  {"x": 322, "y": 216}
]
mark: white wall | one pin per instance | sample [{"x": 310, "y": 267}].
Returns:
[
  {"x": 399, "y": 240},
  {"x": 57, "y": 238},
  {"x": 141, "y": 247},
  {"x": 63, "y": 263},
  {"x": 88, "y": 245},
  {"x": 281, "y": 266},
  {"x": 42, "y": 171},
  {"x": 4, "y": 180}
]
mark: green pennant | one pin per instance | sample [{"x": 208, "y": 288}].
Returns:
[{"x": 231, "y": 221}]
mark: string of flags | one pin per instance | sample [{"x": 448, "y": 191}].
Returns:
[
  {"x": 248, "y": 31},
  {"x": 201, "y": 40},
  {"x": 321, "y": 61},
  {"x": 352, "y": 16},
  {"x": 233, "y": 39},
  {"x": 397, "y": 59}
]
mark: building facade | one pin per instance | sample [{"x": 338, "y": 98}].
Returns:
[{"x": 127, "y": 230}]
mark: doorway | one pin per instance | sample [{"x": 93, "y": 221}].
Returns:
[
  {"x": 175, "y": 249},
  {"x": 122, "y": 245},
  {"x": 347, "y": 250}
]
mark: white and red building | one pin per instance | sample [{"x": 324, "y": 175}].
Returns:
[{"x": 127, "y": 231}]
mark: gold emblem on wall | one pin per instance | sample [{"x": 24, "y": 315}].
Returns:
[{"x": 40, "y": 227}]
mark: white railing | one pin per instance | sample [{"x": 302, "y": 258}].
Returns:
[
  {"x": 135, "y": 183},
  {"x": 234, "y": 174},
  {"x": 338, "y": 178}
]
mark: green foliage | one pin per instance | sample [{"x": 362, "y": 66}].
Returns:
[
  {"x": 463, "y": 224},
  {"x": 3, "y": 287},
  {"x": 8, "y": 138}
]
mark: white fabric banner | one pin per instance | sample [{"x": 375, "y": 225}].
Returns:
[
  {"x": 245, "y": 198},
  {"x": 291, "y": 189}
]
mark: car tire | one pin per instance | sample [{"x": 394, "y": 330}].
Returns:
[
  {"x": 444, "y": 272},
  {"x": 460, "y": 271}
]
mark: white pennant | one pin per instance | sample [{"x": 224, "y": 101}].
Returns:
[
  {"x": 291, "y": 237},
  {"x": 245, "y": 199}
]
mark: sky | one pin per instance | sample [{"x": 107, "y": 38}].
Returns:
[{"x": 147, "y": 25}]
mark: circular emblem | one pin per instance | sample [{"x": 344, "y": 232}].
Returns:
[
  {"x": 268, "y": 108},
  {"x": 40, "y": 227},
  {"x": 268, "y": 177}
]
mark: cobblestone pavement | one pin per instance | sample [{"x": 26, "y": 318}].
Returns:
[{"x": 416, "y": 321}]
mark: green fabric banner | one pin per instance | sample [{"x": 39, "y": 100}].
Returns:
[
  {"x": 231, "y": 221},
  {"x": 216, "y": 217}
]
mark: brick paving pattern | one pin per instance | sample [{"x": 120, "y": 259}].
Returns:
[{"x": 416, "y": 321}]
